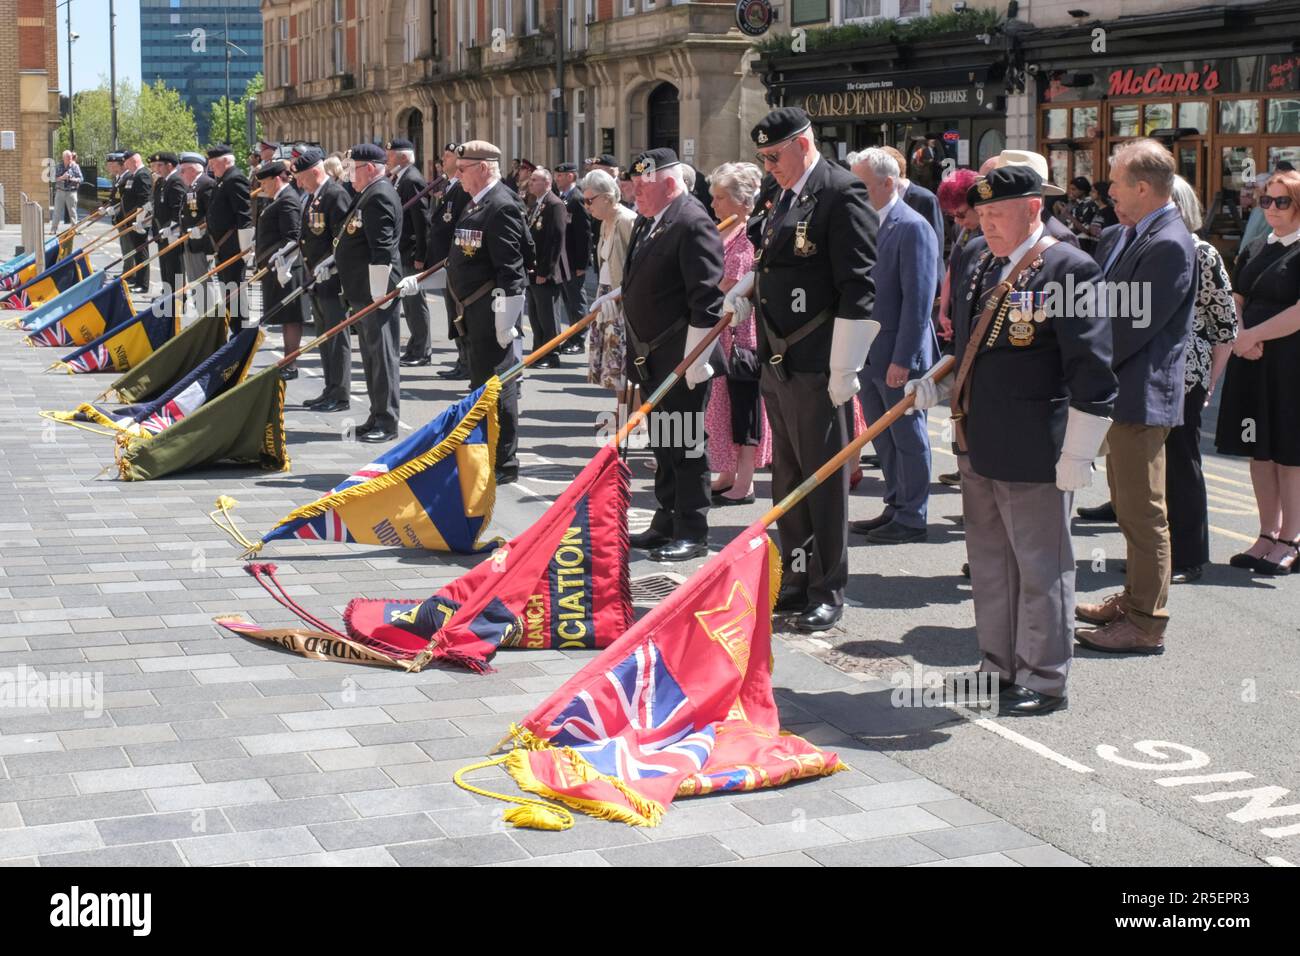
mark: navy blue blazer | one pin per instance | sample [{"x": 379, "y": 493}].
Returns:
[
  {"x": 927, "y": 204},
  {"x": 905, "y": 273},
  {"x": 1149, "y": 353}
]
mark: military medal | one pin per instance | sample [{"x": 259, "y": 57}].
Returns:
[
  {"x": 802, "y": 246},
  {"x": 193, "y": 201},
  {"x": 446, "y": 216},
  {"x": 353, "y": 225},
  {"x": 1040, "y": 303}
]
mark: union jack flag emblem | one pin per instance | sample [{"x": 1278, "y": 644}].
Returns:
[{"x": 91, "y": 360}]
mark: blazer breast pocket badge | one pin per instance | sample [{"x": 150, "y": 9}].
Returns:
[{"x": 803, "y": 246}]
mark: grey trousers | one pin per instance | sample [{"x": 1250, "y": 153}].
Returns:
[
  {"x": 65, "y": 204},
  {"x": 904, "y": 449},
  {"x": 335, "y": 352},
  {"x": 1022, "y": 576},
  {"x": 204, "y": 295},
  {"x": 377, "y": 337},
  {"x": 416, "y": 310},
  {"x": 807, "y": 431}
]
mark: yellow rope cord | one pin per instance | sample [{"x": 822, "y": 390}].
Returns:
[
  {"x": 224, "y": 504},
  {"x": 529, "y": 812},
  {"x": 53, "y": 417}
]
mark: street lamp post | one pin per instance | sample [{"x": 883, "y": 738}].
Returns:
[
  {"x": 72, "y": 125},
  {"x": 112, "y": 70}
]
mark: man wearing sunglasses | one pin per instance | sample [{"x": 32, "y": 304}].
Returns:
[{"x": 813, "y": 295}]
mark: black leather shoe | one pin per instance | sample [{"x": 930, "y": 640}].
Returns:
[
  {"x": 870, "y": 524},
  {"x": 722, "y": 501},
  {"x": 320, "y": 399},
  {"x": 456, "y": 371},
  {"x": 1012, "y": 692},
  {"x": 952, "y": 479},
  {"x": 895, "y": 533},
  {"x": 332, "y": 405},
  {"x": 1031, "y": 703},
  {"x": 414, "y": 360},
  {"x": 573, "y": 347},
  {"x": 1104, "y": 512},
  {"x": 790, "y": 602},
  {"x": 288, "y": 374},
  {"x": 376, "y": 435},
  {"x": 1186, "y": 575},
  {"x": 549, "y": 361},
  {"x": 506, "y": 476},
  {"x": 818, "y": 617},
  {"x": 648, "y": 540},
  {"x": 683, "y": 549},
  {"x": 869, "y": 461}
]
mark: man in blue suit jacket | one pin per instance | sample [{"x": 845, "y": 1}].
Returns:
[
  {"x": 906, "y": 273},
  {"x": 1150, "y": 270}
]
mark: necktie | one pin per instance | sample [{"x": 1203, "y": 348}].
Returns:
[
  {"x": 989, "y": 281},
  {"x": 1130, "y": 233},
  {"x": 783, "y": 207}
]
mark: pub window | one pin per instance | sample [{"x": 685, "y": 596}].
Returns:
[
  {"x": 1158, "y": 116},
  {"x": 991, "y": 143},
  {"x": 1058, "y": 165},
  {"x": 1284, "y": 115},
  {"x": 859, "y": 9},
  {"x": 1238, "y": 116},
  {"x": 1238, "y": 166},
  {"x": 1083, "y": 122},
  {"x": 1083, "y": 164},
  {"x": 1194, "y": 116},
  {"x": 810, "y": 11},
  {"x": 1278, "y": 153},
  {"x": 1056, "y": 124},
  {"x": 1124, "y": 120}
]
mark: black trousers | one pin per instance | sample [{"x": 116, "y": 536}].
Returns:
[
  {"x": 543, "y": 300},
  {"x": 172, "y": 265},
  {"x": 487, "y": 358},
  {"x": 807, "y": 431},
  {"x": 681, "y": 460},
  {"x": 139, "y": 253},
  {"x": 1189, "y": 520}
]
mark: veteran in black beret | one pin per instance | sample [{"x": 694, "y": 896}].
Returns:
[
  {"x": 276, "y": 249},
  {"x": 671, "y": 300},
  {"x": 230, "y": 225},
  {"x": 1031, "y": 397},
  {"x": 451, "y": 202},
  {"x": 486, "y": 282},
  {"x": 366, "y": 254},
  {"x": 813, "y": 296},
  {"x": 167, "y": 195},
  {"x": 324, "y": 211},
  {"x": 409, "y": 183},
  {"x": 197, "y": 250}
]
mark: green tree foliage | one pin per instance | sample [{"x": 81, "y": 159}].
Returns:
[
  {"x": 238, "y": 127},
  {"x": 149, "y": 118}
]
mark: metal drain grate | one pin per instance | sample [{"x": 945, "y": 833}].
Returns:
[{"x": 651, "y": 588}]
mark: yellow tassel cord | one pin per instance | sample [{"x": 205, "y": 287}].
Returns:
[
  {"x": 416, "y": 465},
  {"x": 531, "y": 814},
  {"x": 65, "y": 418},
  {"x": 224, "y": 506}
]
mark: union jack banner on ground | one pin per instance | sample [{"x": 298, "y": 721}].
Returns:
[
  {"x": 126, "y": 344},
  {"x": 106, "y": 309},
  {"x": 54, "y": 281}
]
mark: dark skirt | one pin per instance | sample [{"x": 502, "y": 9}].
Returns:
[
  {"x": 746, "y": 412},
  {"x": 1259, "y": 405}
]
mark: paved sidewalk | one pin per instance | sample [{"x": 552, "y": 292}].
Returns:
[{"x": 213, "y": 750}]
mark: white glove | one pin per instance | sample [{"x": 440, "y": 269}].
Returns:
[
  {"x": 324, "y": 269},
  {"x": 928, "y": 392},
  {"x": 609, "y": 313},
  {"x": 282, "y": 274},
  {"x": 196, "y": 232},
  {"x": 506, "y": 310},
  {"x": 245, "y": 237},
  {"x": 850, "y": 343},
  {"x": 737, "y": 300},
  {"x": 379, "y": 275},
  {"x": 1084, "y": 434},
  {"x": 141, "y": 225},
  {"x": 700, "y": 370},
  {"x": 600, "y": 301},
  {"x": 408, "y": 285},
  {"x": 112, "y": 211}
]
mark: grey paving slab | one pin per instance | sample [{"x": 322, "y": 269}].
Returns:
[
  {"x": 980, "y": 838},
  {"x": 240, "y": 847},
  {"x": 54, "y": 838},
  {"x": 147, "y": 854},
  {"x": 373, "y": 803},
  {"x": 136, "y": 778},
  {"x": 376, "y": 831},
  {"x": 34, "y": 765},
  {"x": 195, "y": 796},
  {"x": 342, "y": 781},
  {"x": 458, "y": 851},
  {"x": 249, "y": 768},
  {"x": 896, "y": 851},
  {"x": 84, "y": 807},
  {"x": 689, "y": 851},
  {"x": 281, "y": 813},
  {"x": 153, "y": 827}
]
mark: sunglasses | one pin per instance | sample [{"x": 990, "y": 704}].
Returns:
[
  {"x": 588, "y": 202},
  {"x": 1282, "y": 202},
  {"x": 774, "y": 156}
]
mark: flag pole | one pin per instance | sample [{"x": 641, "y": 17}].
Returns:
[
  {"x": 113, "y": 232},
  {"x": 163, "y": 251},
  {"x": 76, "y": 227}
]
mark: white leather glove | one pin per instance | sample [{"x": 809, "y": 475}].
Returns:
[
  {"x": 1084, "y": 434},
  {"x": 609, "y": 312},
  {"x": 700, "y": 370},
  {"x": 928, "y": 392},
  {"x": 850, "y": 343},
  {"x": 112, "y": 211},
  {"x": 737, "y": 300},
  {"x": 506, "y": 310},
  {"x": 324, "y": 269},
  {"x": 196, "y": 232},
  {"x": 140, "y": 225},
  {"x": 282, "y": 274},
  {"x": 610, "y": 296},
  {"x": 379, "y": 280},
  {"x": 245, "y": 237},
  {"x": 408, "y": 285}
]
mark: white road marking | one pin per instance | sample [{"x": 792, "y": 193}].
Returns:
[
  {"x": 1277, "y": 861},
  {"x": 1031, "y": 745},
  {"x": 1226, "y": 777}
]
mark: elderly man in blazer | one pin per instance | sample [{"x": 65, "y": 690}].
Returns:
[
  {"x": 905, "y": 273},
  {"x": 1150, "y": 270}
]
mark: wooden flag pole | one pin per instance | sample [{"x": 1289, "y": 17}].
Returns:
[
  {"x": 114, "y": 232},
  {"x": 76, "y": 227},
  {"x": 163, "y": 251}
]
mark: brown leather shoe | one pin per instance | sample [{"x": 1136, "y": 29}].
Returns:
[
  {"x": 1106, "y": 612},
  {"x": 1121, "y": 636}
]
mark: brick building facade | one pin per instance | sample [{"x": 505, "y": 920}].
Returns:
[{"x": 29, "y": 100}]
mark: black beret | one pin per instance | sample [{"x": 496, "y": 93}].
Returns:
[
  {"x": 309, "y": 157},
  {"x": 605, "y": 159},
  {"x": 128, "y": 153},
  {"x": 164, "y": 157},
  {"x": 267, "y": 144},
  {"x": 779, "y": 125},
  {"x": 1007, "y": 182},
  {"x": 450, "y": 147},
  {"x": 566, "y": 168},
  {"x": 399, "y": 144},
  {"x": 218, "y": 151},
  {"x": 367, "y": 153},
  {"x": 652, "y": 159},
  {"x": 114, "y": 158},
  {"x": 268, "y": 169}
]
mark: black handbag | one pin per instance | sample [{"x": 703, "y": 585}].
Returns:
[{"x": 742, "y": 366}]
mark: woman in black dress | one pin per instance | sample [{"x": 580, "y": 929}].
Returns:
[{"x": 1259, "y": 415}]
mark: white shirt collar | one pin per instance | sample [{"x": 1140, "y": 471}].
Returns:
[
  {"x": 283, "y": 187},
  {"x": 478, "y": 196},
  {"x": 1019, "y": 251},
  {"x": 1286, "y": 240},
  {"x": 882, "y": 213},
  {"x": 797, "y": 188}
]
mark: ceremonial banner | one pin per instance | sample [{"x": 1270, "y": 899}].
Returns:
[
  {"x": 563, "y": 583},
  {"x": 220, "y": 373},
  {"x": 244, "y": 426},
  {"x": 108, "y": 308},
  {"x": 681, "y": 705},
  {"x": 126, "y": 345},
  {"x": 175, "y": 359},
  {"x": 14, "y": 272},
  {"x": 47, "y": 313},
  {"x": 435, "y": 490},
  {"x": 60, "y": 277}
]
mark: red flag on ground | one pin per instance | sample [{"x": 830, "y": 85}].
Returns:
[
  {"x": 563, "y": 583},
  {"x": 681, "y": 705}
]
